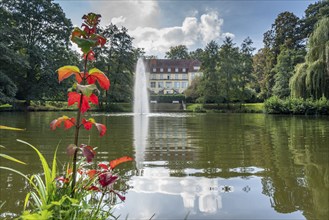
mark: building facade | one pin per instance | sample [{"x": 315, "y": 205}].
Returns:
[{"x": 166, "y": 76}]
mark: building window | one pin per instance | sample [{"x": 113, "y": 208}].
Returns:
[
  {"x": 154, "y": 70},
  {"x": 184, "y": 85},
  {"x": 184, "y": 70},
  {"x": 168, "y": 85},
  {"x": 168, "y": 77},
  {"x": 161, "y": 70},
  {"x": 160, "y": 84},
  {"x": 176, "y": 70},
  {"x": 153, "y": 85},
  {"x": 184, "y": 76},
  {"x": 196, "y": 67},
  {"x": 169, "y": 70},
  {"x": 176, "y": 76},
  {"x": 161, "y": 76},
  {"x": 192, "y": 76},
  {"x": 176, "y": 85},
  {"x": 153, "y": 76}
]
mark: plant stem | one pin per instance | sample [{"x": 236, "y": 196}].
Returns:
[{"x": 77, "y": 128}]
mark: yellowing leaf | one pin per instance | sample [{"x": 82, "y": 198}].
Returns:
[
  {"x": 66, "y": 71},
  {"x": 97, "y": 75},
  {"x": 11, "y": 128},
  {"x": 12, "y": 158}
]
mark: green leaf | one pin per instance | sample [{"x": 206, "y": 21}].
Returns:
[
  {"x": 12, "y": 158},
  {"x": 85, "y": 44},
  {"x": 44, "y": 163},
  {"x": 87, "y": 90}
]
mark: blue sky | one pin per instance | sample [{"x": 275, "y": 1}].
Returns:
[{"x": 158, "y": 24}]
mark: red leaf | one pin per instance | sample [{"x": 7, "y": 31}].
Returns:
[
  {"x": 88, "y": 152},
  {"x": 93, "y": 188},
  {"x": 101, "y": 129},
  {"x": 68, "y": 122},
  {"x": 118, "y": 161},
  {"x": 85, "y": 104},
  {"x": 94, "y": 99},
  {"x": 123, "y": 198},
  {"x": 101, "y": 40},
  {"x": 106, "y": 179},
  {"x": 96, "y": 74},
  {"x": 66, "y": 71},
  {"x": 91, "y": 173},
  {"x": 73, "y": 97},
  {"x": 90, "y": 55},
  {"x": 87, "y": 124},
  {"x": 104, "y": 166}
]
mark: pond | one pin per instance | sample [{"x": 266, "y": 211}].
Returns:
[{"x": 194, "y": 166}]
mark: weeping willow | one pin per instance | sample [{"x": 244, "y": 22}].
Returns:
[{"x": 311, "y": 79}]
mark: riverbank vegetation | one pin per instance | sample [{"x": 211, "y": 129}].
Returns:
[{"x": 293, "y": 63}]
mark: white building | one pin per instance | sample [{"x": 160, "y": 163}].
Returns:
[{"x": 166, "y": 76}]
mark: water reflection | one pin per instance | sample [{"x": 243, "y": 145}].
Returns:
[
  {"x": 204, "y": 166},
  {"x": 141, "y": 129}
]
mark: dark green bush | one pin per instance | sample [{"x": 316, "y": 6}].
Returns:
[
  {"x": 167, "y": 98},
  {"x": 298, "y": 106}
]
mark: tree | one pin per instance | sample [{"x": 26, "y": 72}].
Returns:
[
  {"x": 262, "y": 70},
  {"x": 43, "y": 30},
  {"x": 246, "y": 68},
  {"x": 209, "y": 88},
  {"x": 228, "y": 68},
  {"x": 311, "y": 79},
  {"x": 118, "y": 59},
  {"x": 284, "y": 68},
  {"x": 197, "y": 54},
  {"x": 12, "y": 60},
  {"x": 286, "y": 32},
  {"x": 177, "y": 52},
  {"x": 313, "y": 14},
  {"x": 191, "y": 93}
]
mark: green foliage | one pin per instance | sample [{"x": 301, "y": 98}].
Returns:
[
  {"x": 299, "y": 106},
  {"x": 34, "y": 41},
  {"x": 167, "y": 98},
  {"x": 284, "y": 68},
  {"x": 178, "y": 52},
  {"x": 117, "y": 59},
  {"x": 311, "y": 78},
  {"x": 196, "y": 108}
]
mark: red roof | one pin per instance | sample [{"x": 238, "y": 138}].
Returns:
[{"x": 172, "y": 64}]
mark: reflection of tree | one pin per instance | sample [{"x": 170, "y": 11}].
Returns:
[
  {"x": 289, "y": 149},
  {"x": 298, "y": 169}
]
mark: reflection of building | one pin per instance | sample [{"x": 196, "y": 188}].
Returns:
[
  {"x": 194, "y": 191},
  {"x": 168, "y": 76},
  {"x": 169, "y": 142}
]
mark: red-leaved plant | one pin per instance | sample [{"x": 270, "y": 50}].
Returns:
[{"x": 84, "y": 92}]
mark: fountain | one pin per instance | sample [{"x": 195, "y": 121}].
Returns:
[
  {"x": 141, "y": 113},
  {"x": 141, "y": 102}
]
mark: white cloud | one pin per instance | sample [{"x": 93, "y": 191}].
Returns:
[
  {"x": 193, "y": 32},
  {"x": 129, "y": 12},
  {"x": 143, "y": 19},
  {"x": 228, "y": 34},
  {"x": 118, "y": 20}
]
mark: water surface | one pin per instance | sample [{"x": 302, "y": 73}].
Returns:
[{"x": 199, "y": 166}]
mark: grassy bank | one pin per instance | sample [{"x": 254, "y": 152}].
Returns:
[
  {"x": 60, "y": 106},
  {"x": 234, "y": 107}
]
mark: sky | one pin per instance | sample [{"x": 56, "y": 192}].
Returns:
[{"x": 156, "y": 25}]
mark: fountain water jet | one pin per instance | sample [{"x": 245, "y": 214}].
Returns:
[
  {"x": 141, "y": 113},
  {"x": 141, "y": 102}
]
